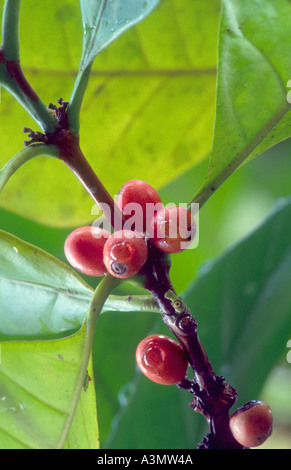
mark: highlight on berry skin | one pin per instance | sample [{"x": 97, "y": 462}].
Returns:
[
  {"x": 84, "y": 250},
  {"x": 161, "y": 359},
  {"x": 138, "y": 201},
  {"x": 252, "y": 424},
  {"x": 172, "y": 229},
  {"x": 125, "y": 252}
]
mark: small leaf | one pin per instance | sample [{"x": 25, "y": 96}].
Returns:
[{"x": 104, "y": 20}]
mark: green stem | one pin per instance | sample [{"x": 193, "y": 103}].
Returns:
[
  {"x": 104, "y": 289},
  {"x": 102, "y": 292},
  {"x": 83, "y": 76},
  {"x": 10, "y": 36},
  {"x": 24, "y": 156},
  {"x": 11, "y": 74},
  {"x": 17, "y": 85},
  {"x": 76, "y": 100}
]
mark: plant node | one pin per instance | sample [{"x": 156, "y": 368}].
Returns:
[
  {"x": 35, "y": 137},
  {"x": 60, "y": 112}
]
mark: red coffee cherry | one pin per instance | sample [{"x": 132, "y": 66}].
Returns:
[
  {"x": 161, "y": 359},
  {"x": 136, "y": 199},
  {"x": 84, "y": 250},
  {"x": 172, "y": 229},
  {"x": 125, "y": 253},
  {"x": 252, "y": 424}
]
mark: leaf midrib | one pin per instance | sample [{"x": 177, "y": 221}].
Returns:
[{"x": 59, "y": 290}]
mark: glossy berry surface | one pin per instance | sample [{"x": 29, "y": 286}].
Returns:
[
  {"x": 136, "y": 200},
  {"x": 252, "y": 424},
  {"x": 172, "y": 229},
  {"x": 84, "y": 250},
  {"x": 125, "y": 253},
  {"x": 161, "y": 359}
]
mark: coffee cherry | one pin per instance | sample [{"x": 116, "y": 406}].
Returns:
[
  {"x": 172, "y": 229},
  {"x": 125, "y": 253},
  {"x": 137, "y": 199},
  {"x": 84, "y": 250},
  {"x": 252, "y": 424},
  {"x": 161, "y": 359}
]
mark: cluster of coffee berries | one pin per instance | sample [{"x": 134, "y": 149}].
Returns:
[
  {"x": 161, "y": 359},
  {"x": 252, "y": 424},
  {"x": 95, "y": 251}
]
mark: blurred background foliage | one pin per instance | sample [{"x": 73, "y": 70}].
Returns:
[{"x": 235, "y": 209}]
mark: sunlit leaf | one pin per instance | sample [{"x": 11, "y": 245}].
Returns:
[
  {"x": 147, "y": 113},
  {"x": 83, "y": 433},
  {"x": 38, "y": 381}
]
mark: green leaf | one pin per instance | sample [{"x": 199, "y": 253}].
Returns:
[
  {"x": 147, "y": 113},
  {"x": 40, "y": 296},
  {"x": 35, "y": 413},
  {"x": 242, "y": 304},
  {"x": 245, "y": 294},
  {"x": 104, "y": 21},
  {"x": 83, "y": 433},
  {"x": 23, "y": 157},
  {"x": 253, "y": 73}
]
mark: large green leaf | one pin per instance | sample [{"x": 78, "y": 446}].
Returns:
[
  {"x": 47, "y": 385},
  {"x": 254, "y": 69},
  {"x": 41, "y": 297},
  {"x": 39, "y": 383},
  {"x": 148, "y": 111},
  {"x": 242, "y": 303}
]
